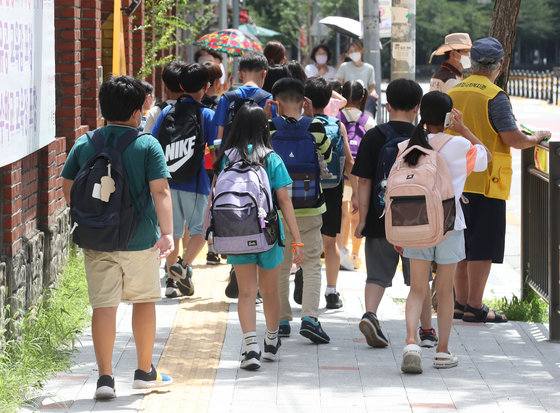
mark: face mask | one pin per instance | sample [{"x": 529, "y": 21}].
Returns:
[
  {"x": 321, "y": 59},
  {"x": 465, "y": 62},
  {"x": 356, "y": 56}
]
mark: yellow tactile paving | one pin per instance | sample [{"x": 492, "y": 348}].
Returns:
[{"x": 192, "y": 352}]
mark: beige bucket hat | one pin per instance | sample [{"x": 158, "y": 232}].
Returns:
[{"x": 453, "y": 41}]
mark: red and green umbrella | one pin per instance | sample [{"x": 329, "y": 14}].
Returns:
[{"x": 229, "y": 41}]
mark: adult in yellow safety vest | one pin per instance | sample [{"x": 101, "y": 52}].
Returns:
[{"x": 488, "y": 114}]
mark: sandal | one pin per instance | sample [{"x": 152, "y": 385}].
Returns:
[
  {"x": 460, "y": 307},
  {"x": 412, "y": 359},
  {"x": 481, "y": 315},
  {"x": 445, "y": 360}
]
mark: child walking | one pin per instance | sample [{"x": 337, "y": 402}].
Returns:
[
  {"x": 357, "y": 123},
  {"x": 250, "y": 140},
  {"x": 463, "y": 155}
]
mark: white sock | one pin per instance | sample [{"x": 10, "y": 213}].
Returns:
[
  {"x": 331, "y": 289},
  {"x": 271, "y": 337},
  {"x": 211, "y": 247},
  {"x": 250, "y": 342}
]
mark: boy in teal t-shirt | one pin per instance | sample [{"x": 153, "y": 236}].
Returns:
[{"x": 133, "y": 275}]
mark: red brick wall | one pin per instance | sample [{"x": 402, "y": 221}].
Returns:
[{"x": 91, "y": 61}]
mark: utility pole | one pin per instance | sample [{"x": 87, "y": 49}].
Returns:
[
  {"x": 403, "y": 39},
  {"x": 223, "y": 24},
  {"x": 370, "y": 26}
]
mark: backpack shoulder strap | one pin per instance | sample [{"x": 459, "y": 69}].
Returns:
[
  {"x": 260, "y": 95},
  {"x": 342, "y": 117},
  {"x": 231, "y": 96},
  {"x": 126, "y": 139},
  {"x": 305, "y": 122},
  {"x": 438, "y": 141},
  {"x": 97, "y": 138},
  {"x": 362, "y": 120},
  {"x": 162, "y": 105},
  {"x": 388, "y": 131},
  {"x": 278, "y": 122}
]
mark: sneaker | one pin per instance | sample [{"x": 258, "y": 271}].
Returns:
[
  {"x": 313, "y": 331},
  {"x": 370, "y": 328},
  {"x": 428, "y": 338},
  {"x": 346, "y": 263},
  {"x": 271, "y": 352},
  {"x": 212, "y": 258},
  {"x": 144, "y": 380},
  {"x": 232, "y": 289},
  {"x": 284, "y": 329},
  {"x": 412, "y": 359},
  {"x": 183, "y": 273},
  {"x": 333, "y": 301},
  {"x": 105, "y": 388},
  {"x": 259, "y": 298},
  {"x": 170, "y": 288},
  {"x": 298, "y": 286},
  {"x": 251, "y": 360}
]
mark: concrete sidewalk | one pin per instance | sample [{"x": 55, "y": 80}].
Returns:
[{"x": 509, "y": 367}]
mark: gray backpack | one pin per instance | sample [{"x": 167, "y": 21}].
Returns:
[{"x": 243, "y": 218}]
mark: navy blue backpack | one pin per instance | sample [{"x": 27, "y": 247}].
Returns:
[
  {"x": 336, "y": 164},
  {"x": 387, "y": 156},
  {"x": 296, "y": 146},
  {"x": 235, "y": 103},
  {"x": 105, "y": 224}
]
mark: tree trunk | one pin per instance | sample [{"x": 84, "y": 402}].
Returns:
[{"x": 503, "y": 28}]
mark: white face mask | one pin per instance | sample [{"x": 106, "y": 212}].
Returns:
[
  {"x": 465, "y": 62},
  {"x": 355, "y": 56},
  {"x": 321, "y": 59}
]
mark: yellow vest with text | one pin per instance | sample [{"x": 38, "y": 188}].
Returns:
[{"x": 472, "y": 96}]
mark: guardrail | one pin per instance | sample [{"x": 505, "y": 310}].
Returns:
[
  {"x": 540, "y": 227},
  {"x": 535, "y": 85}
]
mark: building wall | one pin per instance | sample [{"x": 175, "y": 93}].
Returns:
[{"x": 34, "y": 217}]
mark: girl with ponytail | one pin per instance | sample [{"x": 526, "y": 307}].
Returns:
[{"x": 463, "y": 155}]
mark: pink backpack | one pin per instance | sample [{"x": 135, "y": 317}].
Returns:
[{"x": 420, "y": 203}]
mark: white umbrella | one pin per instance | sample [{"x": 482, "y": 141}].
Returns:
[{"x": 344, "y": 25}]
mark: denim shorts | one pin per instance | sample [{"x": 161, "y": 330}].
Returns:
[
  {"x": 449, "y": 251},
  {"x": 266, "y": 260},
  {"x": 189, "y": 209}
]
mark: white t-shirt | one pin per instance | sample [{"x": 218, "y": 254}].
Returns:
[
  {"x": 311, "y": 70},
  {"x": 153, "y": 115},
  {"x": 462, "y": 158},
  {"x": 349, "y": 71}
]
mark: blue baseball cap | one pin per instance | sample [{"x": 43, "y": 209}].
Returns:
[{"x": 487, "y": 51}]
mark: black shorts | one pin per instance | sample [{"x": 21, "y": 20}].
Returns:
[
  {"x": 485, "y": 235},
  {"x": 333, "y": 215}
]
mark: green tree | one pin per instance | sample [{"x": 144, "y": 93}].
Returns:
[{"x": 163, "y": 22}]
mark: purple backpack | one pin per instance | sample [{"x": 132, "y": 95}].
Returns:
[
  {"x": 243, "y": 218},
  {"x": 355, "y": 129}
]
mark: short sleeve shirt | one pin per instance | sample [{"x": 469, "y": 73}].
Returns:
[
  {"x": 349, "y": 71},
  {"x": 199, "y": 184},
  {"x": 501, "y": 113},
  {"x": 144, "y": 162},
  {"x": 311, "y": 70},
  {"x": 365, "y": 166}
]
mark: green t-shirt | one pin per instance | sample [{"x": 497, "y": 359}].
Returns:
[{"x": 144, "y": 162}]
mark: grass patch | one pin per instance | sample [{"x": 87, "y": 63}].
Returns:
[
  {"x": 47, "y": 337},
  {"x": 534, "y": 308}
]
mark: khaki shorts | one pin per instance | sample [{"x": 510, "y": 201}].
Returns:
[{"x": 122, "y": 276}]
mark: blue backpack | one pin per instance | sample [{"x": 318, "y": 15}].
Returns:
[
  {"x": 296, "y": 146},
  {"x": 235, "y": 103},
  {"x": 103, "y": 215},
  {"x": 387, "y": 156},
  {"x": 336, "y": 164}
]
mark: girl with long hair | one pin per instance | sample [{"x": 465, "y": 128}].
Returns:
[
  {"x": 463, "y": 155},
  {"x": 249, "y": 138}
]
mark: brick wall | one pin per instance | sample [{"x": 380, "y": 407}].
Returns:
[{"x": 34, "y": 217}]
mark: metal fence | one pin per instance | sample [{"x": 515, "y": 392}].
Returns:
[
  {"x": 535, "y": 85},
  {"x": 540, "y": 226}
]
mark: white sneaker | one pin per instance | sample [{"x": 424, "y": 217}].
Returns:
[{"x": 345, "y": 261}]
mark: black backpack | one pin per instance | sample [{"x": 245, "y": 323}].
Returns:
[
  {"x": 182, "y": 138},
  {"x": 387, "y": 156},
  {"x": 235, "y": 103},
  {"x": 105, "y": 220}
]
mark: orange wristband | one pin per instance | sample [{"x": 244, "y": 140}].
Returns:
[{"x": 295, "y": 244}]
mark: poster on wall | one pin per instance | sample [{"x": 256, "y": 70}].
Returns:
[
  {"x": 27, "y": 77},
  {"x": 385, "y": 18}
]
